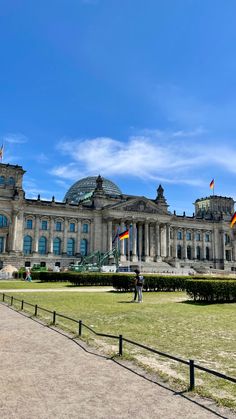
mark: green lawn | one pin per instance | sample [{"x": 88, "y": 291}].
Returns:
[
  {"x": 165, "y": 321},
  {"x": 21, "y": 284}
]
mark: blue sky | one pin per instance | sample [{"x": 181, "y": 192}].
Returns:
[{"x": 142, "y": 92}]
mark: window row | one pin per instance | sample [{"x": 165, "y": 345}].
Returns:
[
  {"x": 58, "y": 226},
  {"x": 199, "y": 253},
  {"x": 189, "y": 236},
  {"x": 7, "y": 181},
  {"x": 57, "y": 246}
]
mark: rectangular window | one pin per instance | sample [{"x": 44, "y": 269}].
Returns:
[
  {"x": 29, "y": 224},
  {"x": 207, "y": 237},
  {"x": 179, "y": 235},
  {"x": 85, "y": 228},
  {"x": 58, "y": 225},
  {"x": 44, "y": 225},
  {"x": 198, "y": 237},
  {"x": 72, "y": 227},
  {"x": 188, "y": 236}
]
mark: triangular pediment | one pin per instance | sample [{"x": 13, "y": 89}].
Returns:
[{"x": 141, "y": 204}]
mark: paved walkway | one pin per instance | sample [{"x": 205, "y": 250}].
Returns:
[{"x": 47, "y": 375}]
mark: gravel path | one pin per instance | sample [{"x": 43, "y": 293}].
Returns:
[{"x": 46, "y": 374}]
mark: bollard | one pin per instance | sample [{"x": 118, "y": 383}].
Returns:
[
  {"x": 54, "y": 317},
  {"x": 22, "y": 304},
  {"x": 191, "y": 375},
  {"x": 35, "y": 310},
  {"x": 3, "y": 297},
  {"x": 80, "y": 327},
  {"x": 120, "y": 345},
  {"x": 12, "y": 300}
]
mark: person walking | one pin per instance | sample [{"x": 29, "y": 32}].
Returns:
[{"x": 28, "y": 276}]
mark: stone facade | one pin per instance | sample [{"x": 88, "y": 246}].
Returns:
[{"x": 34, "y": 231}]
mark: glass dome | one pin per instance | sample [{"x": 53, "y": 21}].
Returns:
[{"x": 85, "y": 187}]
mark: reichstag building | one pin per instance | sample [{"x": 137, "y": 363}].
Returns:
[{"x": 94, "y": 210}]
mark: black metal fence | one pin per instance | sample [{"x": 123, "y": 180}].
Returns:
[{"x": 121, "y": 339}]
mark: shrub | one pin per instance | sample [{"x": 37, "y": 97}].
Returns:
[{"x": 212, "y": 290}]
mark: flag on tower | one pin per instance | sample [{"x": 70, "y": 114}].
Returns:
[
  {"x": 124, "y": 235},
  {"x": 1, "y": 152},
  {"x": 212, "y": 184},
  {"x": 233, "y": 220}
]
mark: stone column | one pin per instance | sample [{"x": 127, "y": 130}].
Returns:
[
  {"x": 50, "y": 239},
  {"x": 152, "y": 243},
  {"x": 174, "y": 243},
  {"x": 134, "y": 243},
  {"x": 91, "y": 236},
  {"x": 65, "y": 236},
  {"x": 78, "y": 236},
  {"x": 140, "y": 241},
  {"x": 167, "y": 240},
  {"x": 203, "y": 246},
  {"x": 184, "y": 244},
  {"x": 146, "y": 241},
  {"x": 109, "y": 236},
  {"x": 223, "y": 245},
  {"x": 14, "y": 230},
  {"x": 36, "y": 234},
  {"x": 122, "y": 244},
  {"x": 194, "y": 245},
  {"x": 158, "y": 244}
]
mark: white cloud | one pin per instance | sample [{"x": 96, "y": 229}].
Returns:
[
  {"x": 155, "y": 155},
  {"x": 17, "y": 138}
]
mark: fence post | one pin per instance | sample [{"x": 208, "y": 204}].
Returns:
[
  {"x": 80, "y": 327},
  {"x": 120, "y": 345},
  {"x": 22, "y": 304},
  {"x": 54, "y": 317},
  {"x": 12, "y": 300},
  {"x": 36, "y": 310},
  {"x": 191, "y": 375}
]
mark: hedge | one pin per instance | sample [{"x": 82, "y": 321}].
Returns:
[
  {"x": 152, "y": 282},
  {"x": 219, "y": 291}
]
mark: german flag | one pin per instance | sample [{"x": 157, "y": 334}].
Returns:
[
  {"x": 124, "y": 235},
  {"x": 212, "y": 184},
  {"x": 233, "y": 220}
]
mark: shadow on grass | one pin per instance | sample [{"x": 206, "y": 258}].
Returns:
[{"x": 204, "y": 303}]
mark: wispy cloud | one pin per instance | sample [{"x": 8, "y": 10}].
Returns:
[
  {"x": 17, "y": 138},
  {"x": 170, "y": 157}
]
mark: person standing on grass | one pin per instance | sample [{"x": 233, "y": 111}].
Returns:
[
  {"x": 28, "y": 276},
  {"x": 138, "y": 291}
]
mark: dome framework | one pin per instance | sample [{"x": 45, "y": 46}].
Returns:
[{"x": 80, "y": 189}]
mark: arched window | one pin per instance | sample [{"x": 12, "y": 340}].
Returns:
[
  {"x": 83, "y": 247},
  {"x": 2, "y": 180},
  {"x": 207, "y": 253},
  {"x": 27, "y": 245},
  {"x": 11, "y": 181},
  {"x": 3, "y": 221},
  {"x": 189, "y": 252},
  {"x": 179, "y": 251},
  {"x": 198, "y": 253},
  {"x": 57, "y": 246},
  {"x": 42, "y": 245},
  {"x": 70, "y": 247}
]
